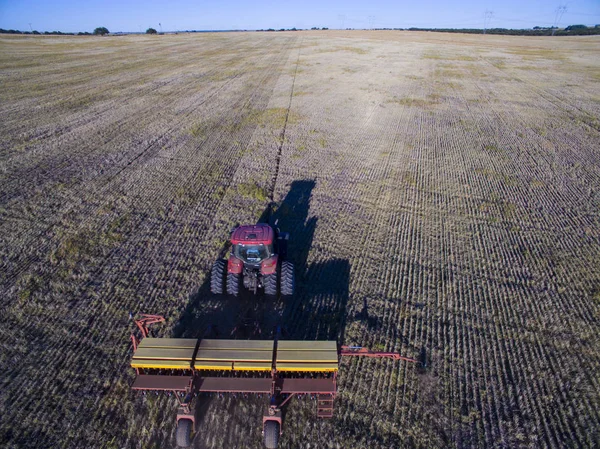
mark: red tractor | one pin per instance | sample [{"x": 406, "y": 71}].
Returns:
[{"x": 257, "y": 261}]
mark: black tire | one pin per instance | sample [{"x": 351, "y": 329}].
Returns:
[
  {"x": 183, "y": 434},
  {"x": 270, "y": 284},
  {"x": 233, "y": 284},
  {"x": 271, "y": 434},
  {"x": 287, "y": 279},
  {"x": 217, "y": 277}
]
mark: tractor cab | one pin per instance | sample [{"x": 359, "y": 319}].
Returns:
[
  {"x": 253, "y": 244},
  {"x": 252, "y": 254},
  {"x": 256, "y": 262}
]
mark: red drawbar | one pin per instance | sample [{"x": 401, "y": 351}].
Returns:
[
  {"x": 253, "y": 234},
  {"x": 234, "y": 265},
  {"x": 269, "y": 266}
]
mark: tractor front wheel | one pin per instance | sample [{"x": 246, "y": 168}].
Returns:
[
  {"x": 271, "y": 430},
  {"x": 184, "y": 433},
  {"x": 287, "y": 279},
  {"x": 233, "y": 284},
  {"x": 217, "y": 277}
]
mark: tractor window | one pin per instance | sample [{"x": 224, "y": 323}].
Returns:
[{"x": 252, "y": 253}]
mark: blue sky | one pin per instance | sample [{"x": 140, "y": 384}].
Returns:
[{"x": 137, "y": 15}]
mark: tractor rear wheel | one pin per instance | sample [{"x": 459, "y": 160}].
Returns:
[
  {"x": 183, "y": 434},
  {"x": 233, "y": 284},
  {"x": 271, "y": 434},
  {"x": 270, "y": 284},
  {"x": 217, "y": 277},
  {"x": 287, "y": 279}
]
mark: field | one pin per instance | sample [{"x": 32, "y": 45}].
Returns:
[{"x": 442, "y": 192}]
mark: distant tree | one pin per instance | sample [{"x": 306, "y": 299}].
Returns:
[
  {"x": 150, "y": 31},
  {"x": 324, "y": 28},
  {"x": 314, "y": 28},
  {"x": 101, "y": 31},
  {"x": 575, "y": 27}
]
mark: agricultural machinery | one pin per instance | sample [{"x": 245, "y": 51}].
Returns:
[
  {"x": 257, "y": 261},
  {"x": 279, "y": 369}
]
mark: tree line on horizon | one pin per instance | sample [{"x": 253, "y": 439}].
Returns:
[{"x": 571, "y": 30}]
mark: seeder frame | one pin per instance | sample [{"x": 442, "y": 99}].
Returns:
[{"x": 276, "y": 384}]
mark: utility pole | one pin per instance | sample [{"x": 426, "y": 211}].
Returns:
[
  {"x": 342, "y": 19},
  {"x": 30, "y": 29},
  {"x": 371, "y": 20},
  {"x": 559, "y": 13},
  {"x": 160, "y": 26},
  {"x": 487, "y": 16}
]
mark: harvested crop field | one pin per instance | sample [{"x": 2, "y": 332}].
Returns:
[{"x": 442, "y": 193}]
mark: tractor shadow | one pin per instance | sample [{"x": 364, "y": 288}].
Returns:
[{"x": 317, "y": 311}]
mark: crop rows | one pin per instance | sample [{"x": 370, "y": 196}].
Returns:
[{"x": 442, "y": 201}]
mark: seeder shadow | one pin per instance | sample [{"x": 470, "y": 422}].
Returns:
[{"x": 318, "y": 310}]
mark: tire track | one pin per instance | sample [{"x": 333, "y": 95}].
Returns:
[{"x": 282, "y": 136}]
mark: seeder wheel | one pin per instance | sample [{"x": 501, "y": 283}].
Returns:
[
  {"x": 184, "y": 433},
  {"x": 271, "y": 431}
]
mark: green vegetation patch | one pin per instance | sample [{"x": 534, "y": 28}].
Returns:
[
  {"x": 199, "y": 130},
  {"x": 448, "y": 73},
  {"x": 357, "y": 50},
  {"x": 31, "y": 284},
  {"x": 272, "y": 117},
  {"x": 432, "y": 55},
  {"x": 437, "y": 56},
  {"x": 409, "y": 178},
  {"x": 464, "y": 58},
  {"x": 253, "y": 190},
  {"x": 537, "y": 53},
  {"x": 416, "y": 102},
  {"x": 275, "y": 117},
  {"x": 492, "y": 148},
  {"x": 225, "y": 75},
  {"x": 85, "y": 243}
]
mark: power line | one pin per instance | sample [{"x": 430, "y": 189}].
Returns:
[
  {"x": 487, "y": 16},
  {"x": 584, "y": 14},
  {"x": 371, "y": 21},
  {"x": 559, "y": 13},
  {"x": 342, "y": 19}
]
